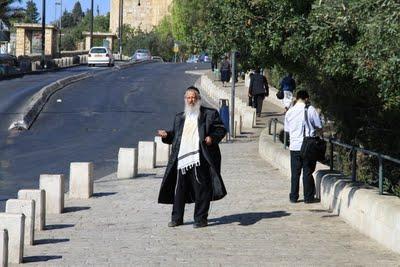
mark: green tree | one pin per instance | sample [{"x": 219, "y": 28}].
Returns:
[
  {"x": 67, "y": 21},
  {"x": 31, "y": 13},
  {"x": 9, "y": 12},
  {"x": 77, "y": 13}
]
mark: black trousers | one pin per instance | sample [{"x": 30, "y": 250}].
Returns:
[
  {"x": 297, "y": 163},
  {"x": 195, "y": 184},
  {"x": 258, "y": 102}
]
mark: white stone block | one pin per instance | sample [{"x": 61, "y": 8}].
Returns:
[
  {"x": 26, "y": 207},
  {"x": 81, "y": 180},
  {"x": 127, "y": 163},
  {"x": 14, "y": 223},
  {"x": 147, "y": 155},
  {"x": 53, "y": 185},
  {"x": 39, "y": 196},
  {"x": 162, "y": 151},
  {"x": 3, "y": 247}
]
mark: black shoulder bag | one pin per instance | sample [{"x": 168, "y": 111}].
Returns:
[{"x": 313, "y": 147}]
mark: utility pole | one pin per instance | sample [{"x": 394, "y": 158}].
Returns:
[
  {"x": 59, "y": 28},
  {"x": 232, "y": 106},
  {"x": 91, "y": 23},
  {"x": 120, "y": 25},
  {"x": 43, "y": 57}
]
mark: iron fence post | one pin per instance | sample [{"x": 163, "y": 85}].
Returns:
[
  {"x": 331, "y": 154},
  {"x": 354, "y": 164},
  {"x": 380, "y": 175},
  {"x": 284, "y": 139},
  {"x": 275, "y": 121}
]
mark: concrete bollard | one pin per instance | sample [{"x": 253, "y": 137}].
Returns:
[
  {"x": 26, "y": 207},
  {"x": 14, "y": 223},
  {"x": 162, "y": 151},
  {"x": 127, "y": 163},
  {"x": 81, "y": 180},
  {"x": 147, "y": 155},
  {"x": 53, "y": 185},
  {"x": 39, "y": 196},
  {"x": 3, "y": 248},
  {"x": 33, "y": 66}
]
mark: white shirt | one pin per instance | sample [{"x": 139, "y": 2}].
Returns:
[{"x": 295, "y": 124}]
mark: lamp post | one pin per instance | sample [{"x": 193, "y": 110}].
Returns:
[
  {"x": 59, "y": 28},
  {"x": 120, "y": 25},
  {"x": 91, "y": 24},
  {"x": 232, "y": 111},
  {"x": 43, "y": 57}
]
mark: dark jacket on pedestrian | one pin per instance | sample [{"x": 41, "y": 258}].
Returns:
[
  {"x": 209, "y": 124},
  {"x": 287, "y": 84},
  {"x": 258, "y": 85}
]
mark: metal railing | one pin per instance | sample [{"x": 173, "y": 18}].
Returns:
[{"x": 354, "y": 150}]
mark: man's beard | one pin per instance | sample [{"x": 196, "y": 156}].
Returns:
[{"x": 193, "y": 110}]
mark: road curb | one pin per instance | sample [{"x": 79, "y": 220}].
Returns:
[
  {"x": 36, "y": 103},
  {"x": 31, "y": 111}
]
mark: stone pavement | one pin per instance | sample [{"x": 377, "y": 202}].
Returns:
[{"x": 254, "y": 225}]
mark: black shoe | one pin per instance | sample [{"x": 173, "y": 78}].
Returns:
[
  {"x": 293, "y": 201},
  {"x": 200, "y": 224},
  {"x": 310, "y": 201},
  {"x": 175, "y": 223}
]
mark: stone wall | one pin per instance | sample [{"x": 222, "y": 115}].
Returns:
[{"x": 145, "y": 16}]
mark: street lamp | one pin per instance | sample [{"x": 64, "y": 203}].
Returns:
[
  {"x": 91, "y": 25},
  {"x": 60, "y": 26},
  {"x": 43, "y": 57}
]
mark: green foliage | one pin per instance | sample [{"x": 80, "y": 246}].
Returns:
[
  {"x": 73, "y": 34},
  {"x": 9, "y": 12},
  {"x": 77, "y": 13},
  {"x": 345, "y": 52},
  {"x": 159, "y": 42},
  {"x": 31, "y": 13}
]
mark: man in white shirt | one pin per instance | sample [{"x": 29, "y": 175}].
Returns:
[{"x": 297, "y": 128}]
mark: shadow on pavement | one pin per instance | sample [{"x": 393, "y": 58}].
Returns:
[
  {"x": 58, "y": 226},
  {"x": 50, "y": 241},
  {"x": 75, "y": 209},
  {"x": 144, "y": 175},
  {"x": 104, "y": 194},
  {"x": 40, "y": 258},
  {"x": 247, "y": 219}
]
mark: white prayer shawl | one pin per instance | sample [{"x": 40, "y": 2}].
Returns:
[{"x": 189, "y": 154}]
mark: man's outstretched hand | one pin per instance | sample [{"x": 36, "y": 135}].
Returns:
[
  {"x": 162, "y": 133},
  {"x": 208, "y": 141}
]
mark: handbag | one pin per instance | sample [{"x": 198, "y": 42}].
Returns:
[
  {"x": 280, "y": 94},
  {"x": 313, "y": 147}
]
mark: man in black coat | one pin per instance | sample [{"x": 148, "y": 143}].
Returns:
[{"x": 193, "y": 170}]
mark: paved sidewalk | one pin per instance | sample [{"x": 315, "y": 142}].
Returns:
[{"x": 255, "y": 225}]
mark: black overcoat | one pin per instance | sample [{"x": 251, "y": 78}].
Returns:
[{"x": 209, "y": 124}]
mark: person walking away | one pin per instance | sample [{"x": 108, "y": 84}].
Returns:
[
  {"x": 225, "y": 71},
  {"x": 298, "y": 128},
  {"x": 287, "y": 85},
  {"x": 193, "y": 173},
  {"x": 258, "y": 90}
]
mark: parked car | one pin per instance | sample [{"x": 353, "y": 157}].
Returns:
[
  {"x": 193, "y": 59},
  {"x": 141, "y": 54},
  {"x": 100, "y": 55},
  {"x": 204, "y": 58},
  {"x": 157, "y": 58}
]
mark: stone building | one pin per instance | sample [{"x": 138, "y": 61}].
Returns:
[
  {"x": 145, "y": 16},
  {"x": 29, "y": 39}
]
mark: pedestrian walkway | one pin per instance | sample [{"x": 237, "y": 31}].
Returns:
[{"x": 254, "y": 225}]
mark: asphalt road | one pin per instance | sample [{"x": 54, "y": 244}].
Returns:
[
  {"x": 90, "y": 120},
  {"x": 14, "y": 93}
]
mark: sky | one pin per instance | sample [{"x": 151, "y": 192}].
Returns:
[{"x": 52, "y": 14}]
